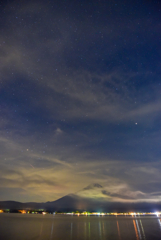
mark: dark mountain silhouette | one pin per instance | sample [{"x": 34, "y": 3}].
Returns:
[{"x": 74, "y": 202}]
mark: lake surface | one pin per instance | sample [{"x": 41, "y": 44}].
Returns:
[{"x": 60, "y": 227}]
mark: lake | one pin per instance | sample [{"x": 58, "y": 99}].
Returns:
[{"x": 15, "y": 226}]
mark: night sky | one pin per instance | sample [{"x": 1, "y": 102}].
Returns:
[{"x": 80, "y": 99}]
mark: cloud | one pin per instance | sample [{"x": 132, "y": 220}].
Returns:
[
  {"x": 58, "y": 131},
  {"x": 72, "y": 93}
]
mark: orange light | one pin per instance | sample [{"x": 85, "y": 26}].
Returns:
[
  {"x": 1, "y": 211},
  {"x": 22, "y": 211}
]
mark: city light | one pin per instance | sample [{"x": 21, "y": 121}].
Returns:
[
  {"x": 22, "y": 211},
  {"x": 84, "y": 213},
  {"x": 157, "y": 214}
]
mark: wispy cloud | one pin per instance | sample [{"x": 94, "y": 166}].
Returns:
[{"x": 78, "y": 105}]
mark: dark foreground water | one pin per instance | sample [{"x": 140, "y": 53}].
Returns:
[{"x": 56, "y": 227}]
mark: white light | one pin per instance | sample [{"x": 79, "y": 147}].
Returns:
[{"x": 157, "y": 213}]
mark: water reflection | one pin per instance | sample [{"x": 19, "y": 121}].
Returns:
[
  {"x": 118, "y": 229},
  {"x": 136, "y": 232},
  {"x": 159, "y": 221},
  {"x": 142, "y": 230},
  {"x": 85, "y": 230},
  {"x": 100, "y": 229},
  {"x": 137, "y": 225},
  {"x": 41, "y": 228},
  {"x": 139, "y": 230},
  {"x": 89, "y": 230},
  {"x": 103, "y": 228},
  {"x": 51, "y": 231},
  {"x": 82, "y": 228},
  {"x": 71, "y": 230}
]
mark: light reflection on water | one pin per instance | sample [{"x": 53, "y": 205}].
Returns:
[
  {"x": 71, "y": 232},
  {"x": 100, "y": 229},
  {"x": 142, "y": 230},
  {"x": 41, "y": 229},
  {"x": 118, "y": 228},
  {"x": 136, "y": 231},
  {"x": 52, "y": 231},
  {"x": 53, "y": 227},
  {"x": 89, "y": 229},
  {"x": 159, "y": 221}
]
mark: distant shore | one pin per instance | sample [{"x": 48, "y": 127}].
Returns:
[{"x": 80, "y": 213}]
